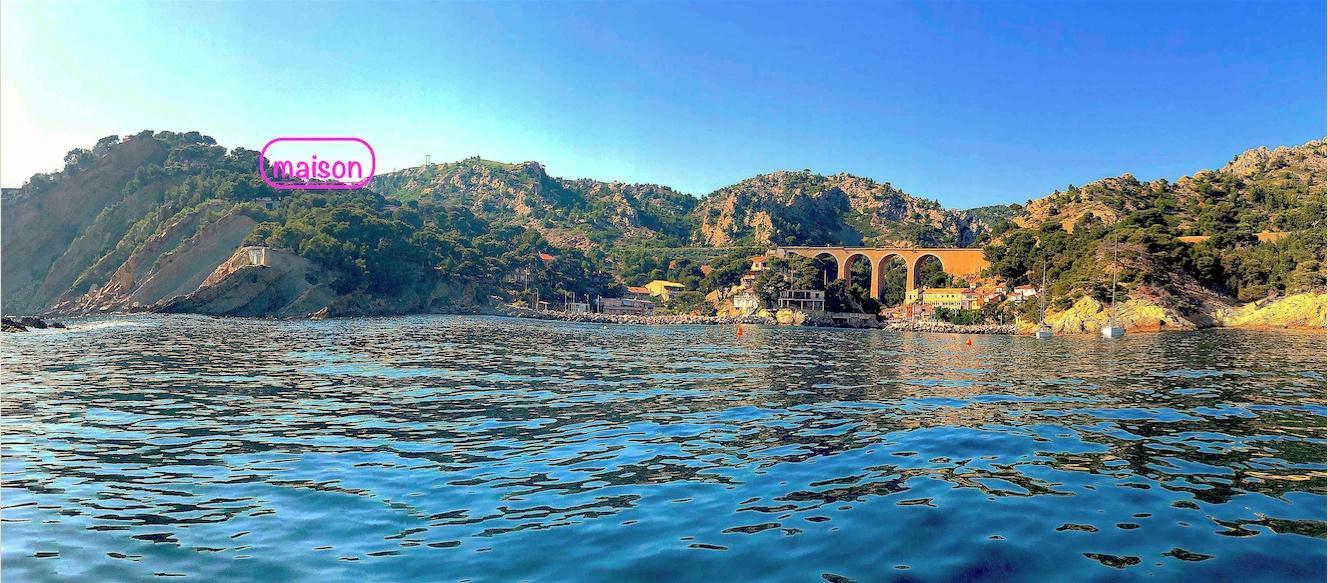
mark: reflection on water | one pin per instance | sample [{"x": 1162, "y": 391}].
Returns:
[{"x": 496, "y": 449}]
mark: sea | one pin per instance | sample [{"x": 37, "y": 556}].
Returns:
[{"x": 460, "y": 448}]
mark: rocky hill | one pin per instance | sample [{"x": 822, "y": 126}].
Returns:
[
  {"x": 580, "y": 214},
  {"x": 151, "y": 220},
  {"x": 106, "y": 219},
  {"x": 1260, "y": 189},
  {"x": 782, "y": 207},
  {"x": 1249, "y": 231},
  {"x": 803, "y": 208}
]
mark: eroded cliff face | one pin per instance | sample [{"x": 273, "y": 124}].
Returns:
[
  {"x": 286, "y": 286},
  {"x": 173, "y": 262},
  {"x": 802, "y": 208}
]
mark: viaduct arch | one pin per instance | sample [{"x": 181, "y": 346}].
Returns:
[{"x": 954, "y": 261}]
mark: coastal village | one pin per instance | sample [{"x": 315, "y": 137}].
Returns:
[{"x": 745, "y": 302}]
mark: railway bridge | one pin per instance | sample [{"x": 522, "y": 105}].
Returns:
[{"x": 954, "y": 261}]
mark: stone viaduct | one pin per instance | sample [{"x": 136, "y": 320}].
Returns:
[{"x": 954, "y": 261}]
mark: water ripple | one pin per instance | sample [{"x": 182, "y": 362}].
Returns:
[{"x": 494, "y": 449}]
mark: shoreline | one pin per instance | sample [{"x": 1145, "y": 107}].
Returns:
[
  {"x": 504, "y": 310},
  {"x": 597, "y": 318},
  {"x": 948, "y": 328}
]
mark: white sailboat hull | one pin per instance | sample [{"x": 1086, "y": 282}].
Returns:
[
  {"x": 1112, "y": 331},
  {"x": 1043, "y": 333}
]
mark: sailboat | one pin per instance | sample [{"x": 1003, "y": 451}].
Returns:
[
  {"x": 1044, "y": 329},
  {"x": 1111, "y": 330}
]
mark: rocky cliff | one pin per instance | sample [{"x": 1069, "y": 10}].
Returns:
[
  {"x": 173, "y": 262},
  {"x": 286, "y": 286}
]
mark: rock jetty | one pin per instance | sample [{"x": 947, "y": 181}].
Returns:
[
  {"x": 949, "y": 328},
  {"x": 505, "y": 310},
  {"x": 25, "y": 323}
]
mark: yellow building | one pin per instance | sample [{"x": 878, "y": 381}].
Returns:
[
  {"x": 664, "y": 289},
  {"x": 954, "y": 298}
]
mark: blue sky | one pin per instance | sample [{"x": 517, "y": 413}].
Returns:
[{"x": 970, "y": 103}]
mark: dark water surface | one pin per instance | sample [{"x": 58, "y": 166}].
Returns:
[{"x": 448, "y": 448}]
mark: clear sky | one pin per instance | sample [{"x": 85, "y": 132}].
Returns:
[{"x": 970, "y": 103}]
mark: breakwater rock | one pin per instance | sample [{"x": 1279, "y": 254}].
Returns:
[
  {"x": 8, "y": 324},
  {"x": 949, "y": 328},
  {"x": 504, "y": 310}
]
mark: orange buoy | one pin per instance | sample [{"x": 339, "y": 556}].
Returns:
[
  {"x": 969, "y": 342},
  {"x": 740, "y": 330}
]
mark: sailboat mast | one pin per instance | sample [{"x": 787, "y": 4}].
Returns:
[
  {"x": 1115, "y": 272},
  {"x": 1042, "y": 294}
]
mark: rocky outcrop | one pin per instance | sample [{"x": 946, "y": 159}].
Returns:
[
  {"x": 288, "y": 286},
  {"x": 172, "y": 263},
  {"x": 23, "y": 324},
  {"x": 1088, "y": 316},
  {"x": 1307, "y": 311}
]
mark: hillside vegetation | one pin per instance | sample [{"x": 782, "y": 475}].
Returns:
[
  {"x": 1074, "y": 232},
  {"x": 139, "y": 221},
  {"x": 156, "y": 219}
]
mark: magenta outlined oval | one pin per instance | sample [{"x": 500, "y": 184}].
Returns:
[{"x": 311, "y": 180}]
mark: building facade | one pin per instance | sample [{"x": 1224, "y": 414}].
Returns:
[
  {"x": 626, "y": 307},
  {"x": 806, "y": 300},
  {"x": 953, "y": 298},
  {"x": 747, "y": 302},
  {"x": 664, "y": 289}
]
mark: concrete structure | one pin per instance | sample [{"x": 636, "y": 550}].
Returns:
[
  {"x": 578, "y": 307},
  {"x": 257, "y": 255},
  {"x": 747, "y": 302},
  {"x": 1023, "y": 293},
  {"x": 957, "y": 262},
  {"x": 664, "y": 289},
  {"x": 626, "y": 306},
  {"x": 806, "y": 300},
  {"x": 953, "y": 298}
]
